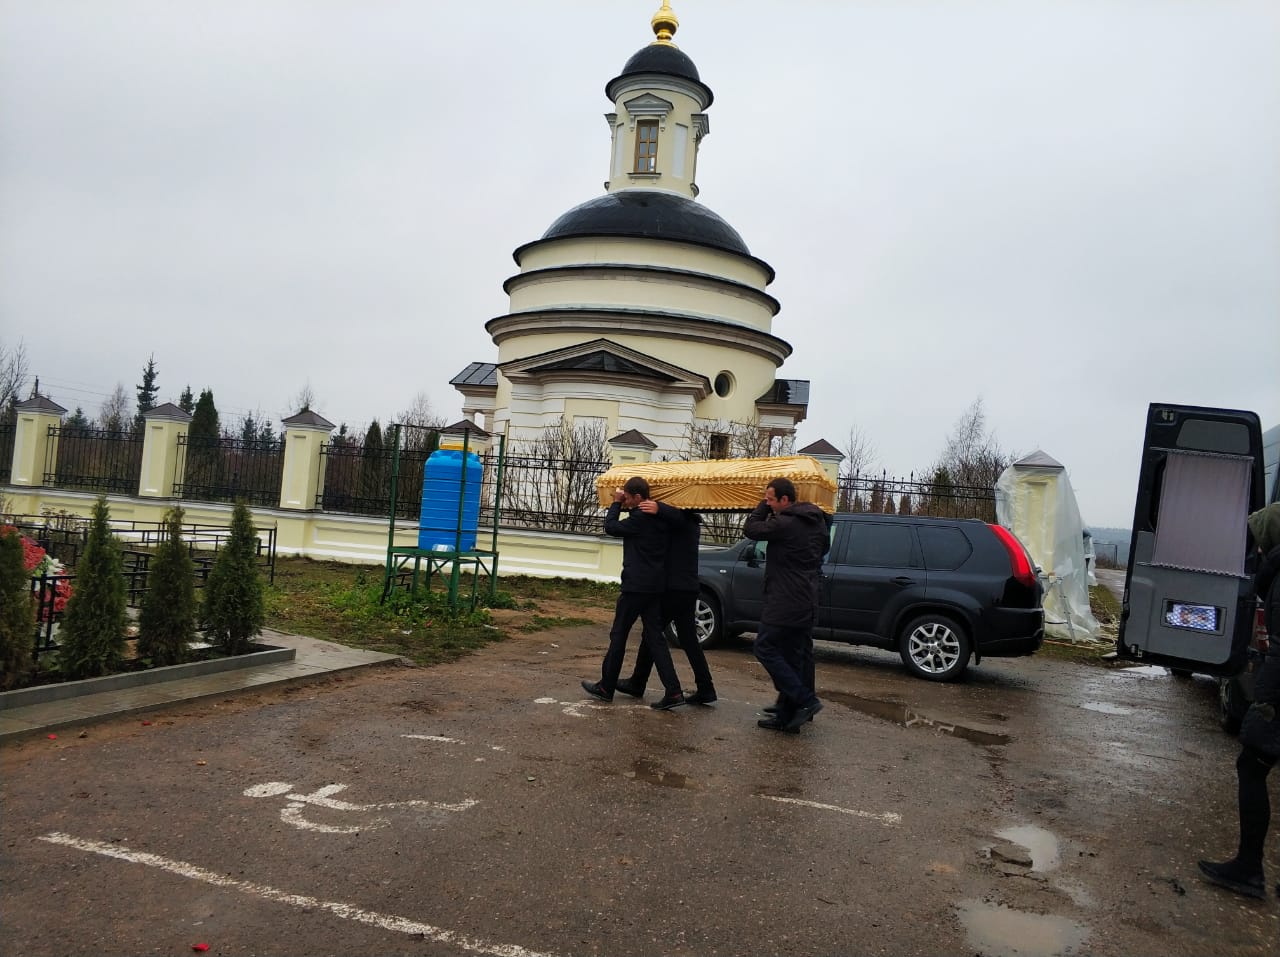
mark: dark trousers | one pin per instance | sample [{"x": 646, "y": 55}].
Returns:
[
  {"x": 1252, "y": 768},
  {"x": 648, "y": 608},
  {"x": 787, "y": 654},
  {"x": 678, "y": 606}
]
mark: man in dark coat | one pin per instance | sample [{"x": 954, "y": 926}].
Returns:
[
  {"x": 679, "y": 602},
  {"x": 644, "y": 579},
  {"x": 1260, "y": 731},
  {"x": 799, "y": 534}
]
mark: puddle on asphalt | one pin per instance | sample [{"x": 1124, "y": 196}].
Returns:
[
  {"x": 650, "y": 772},
  {"x": 994, "y": 930},
  {"x": 901, "y": 714},
  {"x": 1042, "y": 844},
  {"x": 1103, "y": 707},
  {"x": 1142, "y": 671}
]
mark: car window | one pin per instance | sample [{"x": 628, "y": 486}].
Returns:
[
  {"x": 755, "y": 551},
  {"x": 886, "y": 546},
  {"x": 945, "y": 548}
]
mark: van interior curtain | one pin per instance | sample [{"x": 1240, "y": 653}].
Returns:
[{"x": 1204, "y": 502}]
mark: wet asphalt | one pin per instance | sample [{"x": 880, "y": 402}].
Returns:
[{"x": 488, "y": 807}]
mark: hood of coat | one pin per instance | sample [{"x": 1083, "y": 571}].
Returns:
[
  {"x": 806, "y": 512},
  {"x": 1265, "y": 526}
]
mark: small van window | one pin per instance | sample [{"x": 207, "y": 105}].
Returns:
[
  {"x": 945, "y": 549},
  {"x": 884, "y": 546}
]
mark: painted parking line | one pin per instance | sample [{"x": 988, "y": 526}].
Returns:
[
  {"x": 887, "y": 818},
  {"x": 401, "y": 925}
]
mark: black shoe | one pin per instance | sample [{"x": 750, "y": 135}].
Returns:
[
  {"x": 596, "y": 690},
  {"x": 1228, "y": 874},
  {"x": 775, "y": 724},
  {"x": 773, "y": 710},
  {"x": 802, "y": 715},
  {"x": 630, "y": 687},
  {"x": 669, "y": 701},
  {"x": 701, "y": 697}
]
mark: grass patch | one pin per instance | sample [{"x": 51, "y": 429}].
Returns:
[
  {"x": 546, "y": 622},
  {"x": 341, "y": 603}
]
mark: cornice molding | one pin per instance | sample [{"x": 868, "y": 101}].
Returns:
[
  {"x": 623, "y": 270},
  {"x": 659, "y": 325}
]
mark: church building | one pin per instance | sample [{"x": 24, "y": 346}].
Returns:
[{"x": 641, "y": 312}]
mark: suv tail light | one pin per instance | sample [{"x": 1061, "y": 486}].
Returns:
[{"x": 1023, "y": 573}]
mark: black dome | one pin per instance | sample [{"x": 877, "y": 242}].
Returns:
[
  {"x": 663, "y": 58},
  {"x": 649, "y": 214}
]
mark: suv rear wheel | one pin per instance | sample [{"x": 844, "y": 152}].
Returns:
[
  {"x": 934, "y": 647},
  {"x": 707, "y": 621}
]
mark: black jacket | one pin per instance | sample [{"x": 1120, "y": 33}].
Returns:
[
  {"x": 1267, "y": 583},
  {"x": 798, "y": 538},
  {"x": 685, "y": 528},
  {"x": 644, "y": 549}
]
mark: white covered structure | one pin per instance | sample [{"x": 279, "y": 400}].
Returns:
[{"x": 1035, "y": 501}]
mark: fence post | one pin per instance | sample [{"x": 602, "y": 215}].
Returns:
[
  {"x": 165, "y": 423},
  {"x": 631, "y": 447},
  {"x": 31, "y": 443},
  {"x": 827, "y": 455},
  {"x": 300, "y": 480}
]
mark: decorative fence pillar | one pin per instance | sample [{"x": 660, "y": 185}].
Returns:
[
  {"x": 165, "y": 423},
  {"x": 827, "y": 455},
  {"x": 31, "y": 442},
  {"x": 631, "y": 447},
  {"x": 301, "y": 482}
]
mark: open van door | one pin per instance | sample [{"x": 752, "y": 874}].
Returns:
[{"x": 1188, "y": 595}]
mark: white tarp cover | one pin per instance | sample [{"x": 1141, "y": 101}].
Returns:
[{"x": 1035, "y": 501}]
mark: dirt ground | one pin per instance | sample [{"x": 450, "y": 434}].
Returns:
[{"x": 489, "y": 807}]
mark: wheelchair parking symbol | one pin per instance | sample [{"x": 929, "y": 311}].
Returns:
[{"x": 292, "y": 812}]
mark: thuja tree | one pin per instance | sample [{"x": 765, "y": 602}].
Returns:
[
  {"x": 233, "y": 604},
  {"x": 17, "y": 612},
  {"x": 167, "y": 623},
  {"x": 91, "y": 639}
]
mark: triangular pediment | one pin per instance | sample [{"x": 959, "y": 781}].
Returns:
[
  {"x": 603, "y": 357},
  {"x": 647, "y": 104}
]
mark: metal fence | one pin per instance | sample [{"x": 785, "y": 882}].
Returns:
[
  {"x": 894, "y": 495},
  {"x": 358, "y": 480},
  {"x": 96, "y": 460},
  {"x": 225, "y": 470},
  {"x": 7, "y": 432},
  {"x": 64, "y": 537},
  {"x": 544, "y": 493}
]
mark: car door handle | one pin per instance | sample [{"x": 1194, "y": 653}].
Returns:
[{"x": 903, "y": 581}]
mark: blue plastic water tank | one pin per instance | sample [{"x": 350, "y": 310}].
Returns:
[{"x": 446, "y": 481}]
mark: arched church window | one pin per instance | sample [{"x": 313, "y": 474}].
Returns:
[{"x": 647, "y": 146}]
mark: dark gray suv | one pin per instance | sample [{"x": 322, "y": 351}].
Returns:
[{"x": 938, "y": 591}]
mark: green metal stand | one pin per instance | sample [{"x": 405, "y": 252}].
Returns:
[{"x": 481, "y": 561}]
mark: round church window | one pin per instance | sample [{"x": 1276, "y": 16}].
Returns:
[{"x": 724, "y": 385}]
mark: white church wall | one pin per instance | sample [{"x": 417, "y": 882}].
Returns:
[{"x": 665, "y": 293}]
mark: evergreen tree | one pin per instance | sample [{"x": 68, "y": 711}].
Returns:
[
  {"x": 146, "y": 394},
  {"x": 167, "y": 623},
  {"x": 77, "y": 421},
  {"x": 373, "y": 465},
  {"x": 877, "y": 497},
  {"x": 204, "y": 454},
  {"x": 249, "y": 430},
  {"x": 904, "y": 504},
  {"x": 233, "y": 602},
  {"x": 858, "y": 504},
  {"x": 888, "y": 505},
  {"x": 91, "y": 640},
  {"x": 17, "y": 612},
  {"x": 187, "y": 401}
]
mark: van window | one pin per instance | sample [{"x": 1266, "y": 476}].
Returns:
[
  {"x": 885, "y": 546},
  {"x": 945, "y": 549}
]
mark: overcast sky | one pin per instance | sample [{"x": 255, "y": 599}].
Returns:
[{"x": 1069, "y": 209}]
